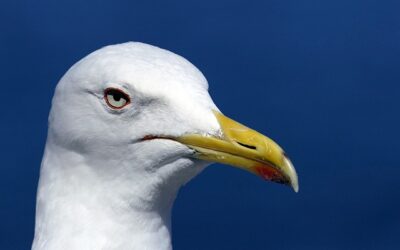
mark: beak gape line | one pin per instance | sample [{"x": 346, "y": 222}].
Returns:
[{"x": 241, "y": 147}]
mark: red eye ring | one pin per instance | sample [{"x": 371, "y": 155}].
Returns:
[{"x": 116, "y": 98}]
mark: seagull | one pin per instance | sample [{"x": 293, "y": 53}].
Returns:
[{"x": 129, "y": 125}]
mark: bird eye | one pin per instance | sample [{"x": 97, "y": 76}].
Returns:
[{"x": 116, "y": 98}]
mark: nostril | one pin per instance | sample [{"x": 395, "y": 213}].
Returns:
[{"x": 247, "y": 146}]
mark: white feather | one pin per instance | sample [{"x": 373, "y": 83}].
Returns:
[{"x": 101, "y": 187}]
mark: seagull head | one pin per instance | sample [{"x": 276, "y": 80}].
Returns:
[{"x": 138, "y": 110}]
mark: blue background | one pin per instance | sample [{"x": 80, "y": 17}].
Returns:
[{"x": 320, "y": 77}]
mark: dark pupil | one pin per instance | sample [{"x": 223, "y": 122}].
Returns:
[{"x": 117, "y": 96}]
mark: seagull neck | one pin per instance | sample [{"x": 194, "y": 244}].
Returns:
[{"x": 81, "y": 205}]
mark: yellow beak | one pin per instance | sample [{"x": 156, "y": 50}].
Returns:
[{"x": 245, "y": 148}]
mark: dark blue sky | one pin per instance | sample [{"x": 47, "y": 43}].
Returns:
[{"x": 320, "y": 77}]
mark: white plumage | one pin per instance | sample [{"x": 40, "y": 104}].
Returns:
[{"x": 102, "y": 184}]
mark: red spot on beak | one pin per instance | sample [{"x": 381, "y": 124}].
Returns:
[{"x": 271, "y": 174}]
